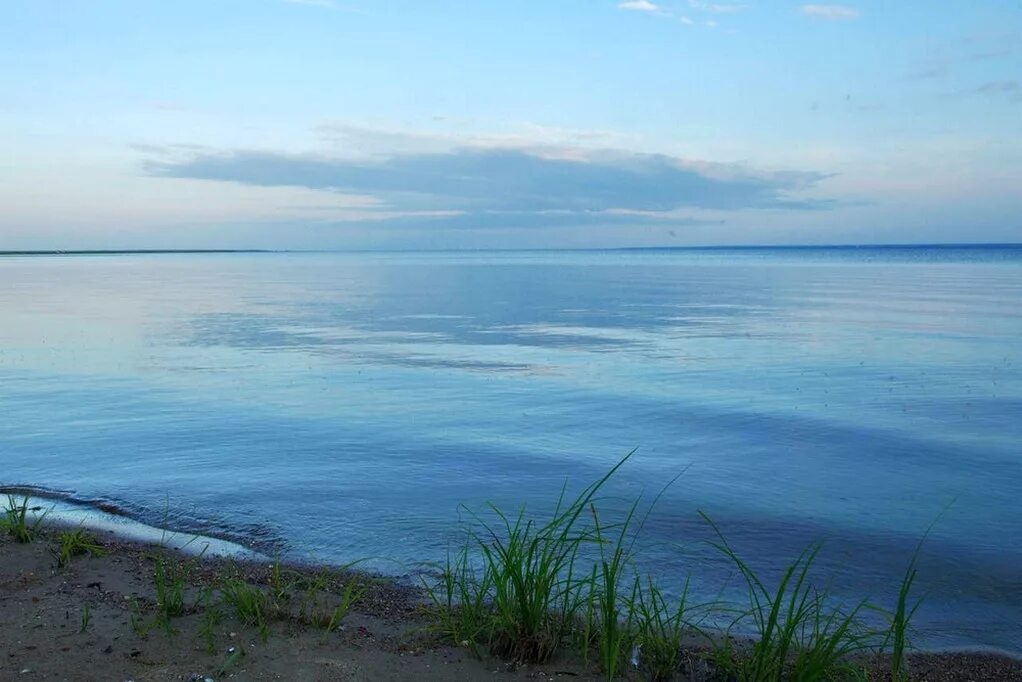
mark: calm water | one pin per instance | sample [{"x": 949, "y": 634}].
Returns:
[{"x": 339, "y": 406}]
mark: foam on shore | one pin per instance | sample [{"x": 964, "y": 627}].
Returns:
[{"x": 65, "y": 513}]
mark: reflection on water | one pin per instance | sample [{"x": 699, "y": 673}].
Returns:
[{"x": 350, "y": 402}]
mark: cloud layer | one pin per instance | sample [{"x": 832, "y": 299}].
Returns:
[
  {"x": 830, "y": 12},
  {"x": 507, "y": 187},
  {"x": 640, "y": 5}
]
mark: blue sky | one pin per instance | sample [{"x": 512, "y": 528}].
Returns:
[{"x": 566, "y": 123}]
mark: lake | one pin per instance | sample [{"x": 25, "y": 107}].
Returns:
[{"x": 336, "y": 406}]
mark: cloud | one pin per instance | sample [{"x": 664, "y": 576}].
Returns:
[
  {"x": 830, "y": 12},
  {"x": 328, "y": 4},
  {"x": 716, "y": 8},
  {"x": 639, "y": 5},
  {"x": 507, "y": 186},
  {"x": 1011, "y": 89},
  {"x": 930, "y": 72},
  {"x": 383, "y": 142}
]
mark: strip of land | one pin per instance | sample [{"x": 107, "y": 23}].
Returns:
[{"x": 128, "y": 611}]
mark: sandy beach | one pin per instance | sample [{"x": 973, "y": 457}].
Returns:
[
  {"x": 98, "y": 617},
  {"x": 43, "y": 635}
]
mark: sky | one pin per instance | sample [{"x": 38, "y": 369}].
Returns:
[{"x": 350, "y": 124}]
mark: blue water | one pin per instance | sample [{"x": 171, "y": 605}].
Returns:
[{"x": 340, "y": 406}]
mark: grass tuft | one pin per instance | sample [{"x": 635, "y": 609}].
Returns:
[
  {"x": 799, "y": 636},
  {"x": 524, "y": 589},
  {"x": 16, "y": 522},
  {"x": 349, "y": 597},
  {"x": 661, "y": 629},
  {"x": 212, "y": 617},
  {"x": 250, "y": 604},
  {"x": 170, "y": 579},
  {"x": 896, "y": 637},
  {"x": 537, "y": 592},
  {"x": 461, "y": 598},
  {"x": 77, "y": 542},
  {"x": 615, "y": 611},
  {"x": 86, "y": 618}
]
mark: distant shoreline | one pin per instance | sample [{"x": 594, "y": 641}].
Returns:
[
  {"x": 125, "y": 252},
  {"x": 710, "y": 247}
]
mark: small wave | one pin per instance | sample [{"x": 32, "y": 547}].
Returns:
[{"x": 65, "y": 508}]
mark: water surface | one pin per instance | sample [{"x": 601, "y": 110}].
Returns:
[{"x": 339, "y": 406}]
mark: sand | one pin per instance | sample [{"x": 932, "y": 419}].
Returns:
[{"x": 44, "y": 634}]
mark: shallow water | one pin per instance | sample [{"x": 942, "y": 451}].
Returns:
[{"x": 340, "y": 406}]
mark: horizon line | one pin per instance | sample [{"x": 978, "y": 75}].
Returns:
[{"x": 703, "y": 247}]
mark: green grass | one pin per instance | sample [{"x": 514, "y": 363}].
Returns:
[
  {"x": 250, "y": 604},
  {"x": 260, "y": 605},
  {"x": 282, "y": 584},
  {"x": 86, "y": 618},
  {"x": 212, "y": 617},
  {"x": 615, "y": 611},
  {"x": 310, "y": 602},
  {"x": 896, "y": 637},
  {"x": 798, "y": 634},
  {"x": 525, "y": 589},
  {"x": 536, "y": 592},
  {"x": 170, "y": 579},
  {"x": 75, "y": 543},
  {"x": 349, "y": 597},
  {"x": 662, "y": 628},
  {"x": 138, "y": 624},
  {"x": 233, "y": 658},
  {"x": 15, "y": 520},
  {"x": 462, "y": 601}
]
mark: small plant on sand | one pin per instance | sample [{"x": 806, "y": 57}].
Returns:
[
  {"x": 16, "y": 522},
  {"x": 799, "y": 635},
  {"x": 896, "y": 637},
  {"x": 170, "y": 579},
  {"x": 212, "y": 617},
  {"x": 282, "y": 583},
  {"x": 138, "y": 623},
  {"x": 615, "y": 611},
  {"x": 77, "y": 543},
  {"x": 461, "y": 601},
  {"x": 586, "y": 632},
  {"x": 250, "y": 604},
  {"x": 661, "y": 629},
  {"x": 537, "y": 591},
  {"x": 86, "y": 617},
  {"x": 349, "y": 597},
  {"x": 897, "y": 634},
  {"x": 234, "y": 656},
  {"x": 309, "y": 604},
  {"x": 518, "y": 587}
]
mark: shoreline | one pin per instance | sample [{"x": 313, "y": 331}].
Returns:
[
  {"x": 96, "y": 603},
  {"x": 65, "y": 511}
]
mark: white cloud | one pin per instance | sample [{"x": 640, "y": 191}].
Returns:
[
  {"x": 830, "y": 12},
  {"x": 685, "y": 20},
  {"x": 639, "y": 5},
  {"x": 315, "y": 3},
  {"x": 716, "y": 8}
]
